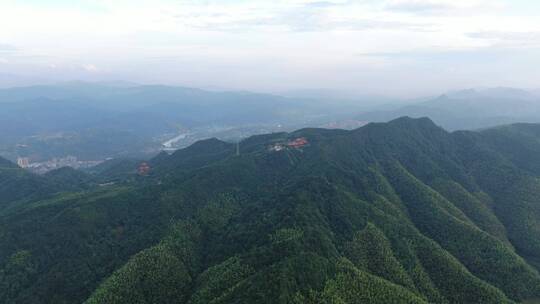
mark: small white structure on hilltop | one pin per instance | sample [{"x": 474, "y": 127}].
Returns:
[
  {"x": 23, "y": 162},
  {"x": 276, "y": 147}
]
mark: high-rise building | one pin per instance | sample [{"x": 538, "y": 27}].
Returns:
[{"x": 23, "y": 162}]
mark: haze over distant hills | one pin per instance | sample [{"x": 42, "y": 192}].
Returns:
[
  {"x": 95, "y": 121},
  {"x": 99, "y": 120},
  {"x": 343, "y": 98},
  {"x": 469, "y": 109}
]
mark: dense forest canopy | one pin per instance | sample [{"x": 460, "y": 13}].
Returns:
[{"x": 398, "y": 212}]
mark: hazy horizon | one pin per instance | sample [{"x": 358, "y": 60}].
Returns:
[
  {"x": 398, "y": 48},
  {"x": 324, "y": 94}
]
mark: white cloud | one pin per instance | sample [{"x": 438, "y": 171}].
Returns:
[
  {"x": 438, "y": 6},
  {"x": 89, "y": 68},
  {"x": 7, "y": 48},
  {"x": 255, "y": 43},
  {"x": 509, "y": 39}
]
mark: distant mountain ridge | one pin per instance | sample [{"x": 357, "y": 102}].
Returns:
[
  {"x": 469, "y": 109},
  {"x": 95, "y": 121},
  {"x": 497, "y": 92},
  {"x": 99, "y": 120}
]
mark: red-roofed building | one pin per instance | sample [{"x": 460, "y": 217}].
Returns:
[
  {"x": 298, "y": 142},
  {"x": 144, "y": 168}
]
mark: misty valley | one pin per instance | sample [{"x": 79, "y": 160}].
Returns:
[{"x": 47, "y": 127}]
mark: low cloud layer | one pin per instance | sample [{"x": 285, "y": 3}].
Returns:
[
  {"x": 393, "y": 47},
  {"x": 7, "y": 48},
  {"x": 443, "y": 6},
  {"x": 509, "y": 39}
]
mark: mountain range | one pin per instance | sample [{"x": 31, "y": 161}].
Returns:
[
  {"x": 96, "y": 121},
  {"x": 397, "y": 212},
  {"x": 469, "y": 109},
  {"x": 100, "y": 120}
]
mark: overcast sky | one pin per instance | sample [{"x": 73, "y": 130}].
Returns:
[{"x": 392, "y": 47}]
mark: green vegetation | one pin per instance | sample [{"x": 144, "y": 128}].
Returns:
[
  {"x": 402, "y": 212},
  {"x": 17, "y": 184}
]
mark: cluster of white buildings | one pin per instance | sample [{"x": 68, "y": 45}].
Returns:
[
  {"x": 55, "y": 163},
  {"x": 23, "y": 162}
]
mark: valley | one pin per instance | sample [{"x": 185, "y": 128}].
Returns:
[{"x": 67, "y": 120}]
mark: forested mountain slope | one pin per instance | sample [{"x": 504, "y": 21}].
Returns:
[
  {"x": 398, "y": 212},
  {"x": 16, "y": 183}
]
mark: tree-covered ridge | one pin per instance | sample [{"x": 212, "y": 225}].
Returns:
[
  {"x": 402, "y": 212},
  {"x": 17, "y": 184}
]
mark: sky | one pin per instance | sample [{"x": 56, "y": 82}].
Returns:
[{"x": 399, "y": 48}]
